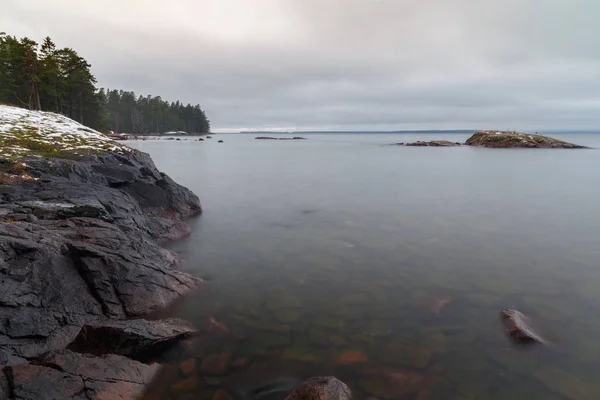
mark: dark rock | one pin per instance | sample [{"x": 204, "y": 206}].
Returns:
[
  {"x": 138, "y": 339},
  {"x": 321, "y": 388},
  {"x": 503, "y": 139},
  {"x": 220, "y": 141},
  {"x": 89, "y": 251},
  {"x": 433, "y": 143},
  {"x": 201, "y": 140},
  {"x": 4, "y": 387},
  {"x": 281, "y": 138},
  {"x": 209, "y": 137},
  {"x": 68, "y": 375},
  {"x": 519, "y": 327}
]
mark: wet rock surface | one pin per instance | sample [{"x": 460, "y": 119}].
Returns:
[
  {"x": 519, "y": 327},
  {"x": 79, "y": 246},
  {"x": 69, "y": 375},
  {"x": 507, "y": 139},
  {"x": 321, "y": 388},
  {"x": 138, "y": 339}
]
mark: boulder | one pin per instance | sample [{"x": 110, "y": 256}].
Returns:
[
  {"x": 507, "y": 139},
  {"x": 321, "y": 388},
  {"x": 138, "y": 339},
  {"x": 519, "y": 327}
]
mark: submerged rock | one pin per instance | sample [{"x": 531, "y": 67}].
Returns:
[
  {"x": 321, "y": 388},
  {"x": 406, "y": 354},
  {"x": 505, "y": 139},
  {"x": 392, "y": 383},
  {"x": 519, "y": 327}
]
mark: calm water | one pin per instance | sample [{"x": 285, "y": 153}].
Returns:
[{"x": 339, "y": 243}]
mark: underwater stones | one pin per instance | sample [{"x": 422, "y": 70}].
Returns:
[
  {"x": 319, "y": 336},
  {"x": 328, "y": 322},
  {"x": 351, "y": 357},
  {"x": 287, "y": 315},
  {"x": 187, "y": 367},
  {"x": 184, "y": 385},
  {"x": 222, "y": 395},
  {"x": 270, "y": 339},
  {"x": 356, "y": 299},
  {"x": 392, "y": 383},
  {"x": 240, "y": 362},
  {"x": 281, "y": 299},
  {"x": 435, "y": 341},
  {"x": 567, "y": 384},
  {"x": 300, "y": 355},
  {"x": 215, "y": 364},
  {"x": 514, "y": 360},
  {"x": 406, "y": 354}
]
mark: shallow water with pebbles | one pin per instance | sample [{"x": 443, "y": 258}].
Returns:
[{"x": 387, "y": 266}]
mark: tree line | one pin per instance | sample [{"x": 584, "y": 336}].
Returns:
[{"x": 44, "y": 77}]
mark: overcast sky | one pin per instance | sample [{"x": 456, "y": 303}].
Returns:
[{"x": 340, "y": 64}]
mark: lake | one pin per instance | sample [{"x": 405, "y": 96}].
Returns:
[{"x": 387, "y": 266}]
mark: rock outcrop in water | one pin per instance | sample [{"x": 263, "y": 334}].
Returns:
[
  {"x": 433, "y": 143},
  {"x": 504, "y": 139},
  {"x": 80, "y": 225},
  {"x": 519, "y": 327},
  {"x": 279, "y": 138}
]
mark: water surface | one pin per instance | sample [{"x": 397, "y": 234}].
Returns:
[{"x": 342, "y": 243}]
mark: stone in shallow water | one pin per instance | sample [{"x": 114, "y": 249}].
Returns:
[
  {"x": 402, "y": 353},
  {"x": 293, "y": 354},
  {"x": 351, "y": 357},
  {"x": 184, "y": 385},
  {"x": 222, "y": 395},
  {"x": 187, "y": 367},
  {"x": 321, "y": 388},
  {"x": 215, "y": 364},
  {"x": 282, "y": 299},
  {"x": 392, "y": 383},
  {"x": 287, "y": 315},
  {"x": 319, "y": 336}
]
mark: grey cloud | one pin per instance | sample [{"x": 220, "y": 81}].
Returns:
[{"x": 341, "y": 64}]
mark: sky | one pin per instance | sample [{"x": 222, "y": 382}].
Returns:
[{"x": 340, "y": 64}]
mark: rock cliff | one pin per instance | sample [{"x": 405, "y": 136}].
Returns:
[{"x": 81, "y": 222}]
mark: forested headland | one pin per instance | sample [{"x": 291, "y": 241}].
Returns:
[{"x": 44, "y": 77}]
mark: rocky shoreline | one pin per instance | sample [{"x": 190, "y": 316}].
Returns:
[{"x": 81, "y": 261}]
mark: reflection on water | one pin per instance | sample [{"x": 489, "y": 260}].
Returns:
[{"x": 387, "y": 267}]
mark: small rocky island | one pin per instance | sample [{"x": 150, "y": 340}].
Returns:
[
  {"x": 508, "y": 139},
  {"x": 501, "y": 139},
  {"x": 81, "y": 222}
]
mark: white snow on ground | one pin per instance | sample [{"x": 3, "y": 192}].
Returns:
[{"x": 21, "y": 129}]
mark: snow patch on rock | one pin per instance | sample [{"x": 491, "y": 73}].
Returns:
[{"x": 26, "y": 132}]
